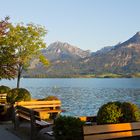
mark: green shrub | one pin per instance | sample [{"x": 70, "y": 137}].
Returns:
[
  {"x": 131, "y": 112},
  {"x": 4, "y": 89},
  {"x": 117, "y": 112},
  {"x": 18, "y": 94},
  {"x": 109, "y": 113},
  {"x": 49, "y": 98},
  {"x": 68, "y": 128}
]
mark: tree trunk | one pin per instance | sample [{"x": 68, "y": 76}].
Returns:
[{"x": 19, "y": 75}]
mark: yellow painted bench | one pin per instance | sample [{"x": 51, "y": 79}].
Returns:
[
  {"x": 3, "y": 98},
  {"x": 110, "y": 131},
  {"x": 45, "y": 109}
]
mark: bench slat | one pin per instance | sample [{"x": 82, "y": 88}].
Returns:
[
  {"x": 110, "y": 128},
  {"x": 42, "y": 106},
  {"x": 3, "y": 97},
  {"x": 4, "y": 94},
  {"x": 112, "y": 135},
  {"x": 48, "y": 111},
  {"x": 43, "y": 123},
  {"x": 24, "y": 113},
  {"x": 22, "y": 103},
  {"x": 24, "y": 116}
]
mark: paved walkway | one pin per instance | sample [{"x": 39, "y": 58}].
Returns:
[{"x": 5, "y": 134}]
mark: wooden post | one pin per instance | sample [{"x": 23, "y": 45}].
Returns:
[
  {"x": 33, "y": 125},
  {"x": 15, "y": 118}
]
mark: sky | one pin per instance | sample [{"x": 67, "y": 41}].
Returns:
[{"x": 87, "y": 24}]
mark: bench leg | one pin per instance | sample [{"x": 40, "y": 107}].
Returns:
[
  {"x": 33, "y": 126},
  {"x": 15, "y": 118}
]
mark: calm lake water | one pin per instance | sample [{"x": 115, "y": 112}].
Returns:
[{"x": 82, "y": 97}]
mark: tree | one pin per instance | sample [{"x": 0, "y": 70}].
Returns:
[
  {"x": 7, "y": 53},
  {"x": 27, "y": 41}
]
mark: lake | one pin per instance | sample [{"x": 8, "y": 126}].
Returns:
[{"x": 82, "y": 97}]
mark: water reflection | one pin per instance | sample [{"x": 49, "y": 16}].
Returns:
[{"x": 86, "y": 101}]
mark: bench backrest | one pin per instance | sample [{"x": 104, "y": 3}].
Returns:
[
  {"x": 26, "y": 113},
  {"x": 110, "y": 131},
  {"x": 39, "y": 104}
]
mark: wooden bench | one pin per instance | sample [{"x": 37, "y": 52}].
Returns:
[
  {"x": 89, "y": 120},
  {"x": 35, "y": 112},
  {"x": 3, "y": 98},
  {"x": 110, "y": 131}
]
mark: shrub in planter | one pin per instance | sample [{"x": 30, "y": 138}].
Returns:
[
  {"x": 49, "y": 98},
  {"x": 117, "y": 112},
  {"x": 131, "y": 112},
  {"x": 18, "y": 94},
  {"x": 109, "y": 113},
  {"x": 4, "y": 89},
  {"x": 68, "y": 128}
]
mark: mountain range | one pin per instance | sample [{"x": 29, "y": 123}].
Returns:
[{"x": 70, "y": 61}]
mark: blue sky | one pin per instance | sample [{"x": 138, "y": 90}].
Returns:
[{"x": 87, "y": 24}]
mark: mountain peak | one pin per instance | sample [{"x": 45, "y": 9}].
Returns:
[
  {"x": 60, "y": 47},
  {"x": 59, "y": 42},
  {"x": 63, "y": 50},
  {"x": 138, "y": 33},
  {"x": 134, "y": 39}
]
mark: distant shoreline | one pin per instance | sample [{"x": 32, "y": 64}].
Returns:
[{"x": 109, "y": 75}]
